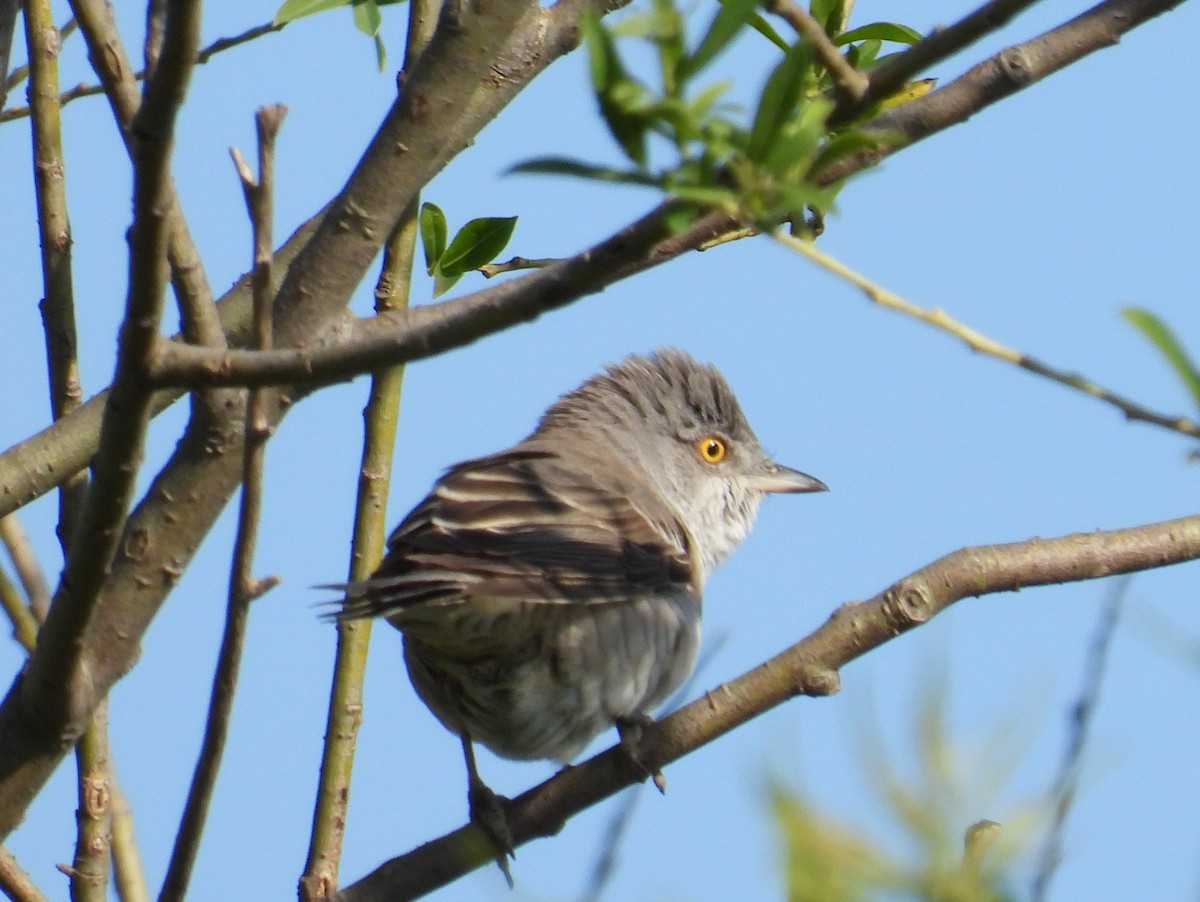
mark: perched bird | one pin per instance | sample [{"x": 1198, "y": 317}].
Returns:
[{"x": 552, "y": 590}]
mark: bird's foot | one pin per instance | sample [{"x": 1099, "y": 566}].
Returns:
[
  {"x": 489, "y": 812},
  {"x": 630, "y": 728}
]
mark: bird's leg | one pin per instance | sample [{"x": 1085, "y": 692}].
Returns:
[
  {"x": 487, "y": 810},
  {"x": 630, "y": 727}
]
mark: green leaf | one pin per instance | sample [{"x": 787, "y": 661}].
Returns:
[
  {"x": 603, "y": 62},
  {"x": 367, "y": 17},
  {"x": 432, "y": 223},
  {"x": 579, "y": 169},
  {"x": 442, "y": 284},
  {"x": 729, "y": 20},
  {"x": 759, "y": 24},
  {"x": 668, "y": 36},
  {"x": 616, "y": 92},
  {"x": 849, "y": 143},
  {"x": 879, "y": 31},
  {"x": 380, "y": 53},
  {"x": 1170, "y": 347},
  {"x": 291, "y": 10},
  {"x": 864, "y": 55},
  {"x": 778, "y": 101},
  {"x": 718, "y": 198},
  {"x": 477, "y": 243},
  {"x": 828, "y": 13}
]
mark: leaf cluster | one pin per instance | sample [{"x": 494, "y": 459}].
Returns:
[
  {"x": 762, "y": 165},
  {"x": 478, "y": 242}
]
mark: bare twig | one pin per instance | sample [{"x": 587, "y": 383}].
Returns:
[
  {"x": 367, "y": 544},
  {"x": 810, "y": 667},
  {"x": 93, "y": 846},
  {"x": 243, "y": 587},
  {"x": 977, "y": 341},
  {"x": 222, "y": 44},
  {"x": 494, "y": 269},
  {"x": 14, "y": 882},
  {"x": 29, "y": 572},
  {"x": 193, "y": 293},
  {"x": 8, "y": 24},
  {"x": 850, "y": 84},
  {"x": 88, "y": 90},
  {"x": 1082, "y": 713},
  {"x": 24, "y": 625},
  {"x": 129, "y": 877},
  {"x": 54, "y": 227}
]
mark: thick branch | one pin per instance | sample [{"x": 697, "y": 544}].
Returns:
[{"x": 810, "y": 667}]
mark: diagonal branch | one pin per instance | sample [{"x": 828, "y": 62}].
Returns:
[
  {"x": 977, "y": 341},
  {"x": 56, "y": 693},
  {"x": 810, "y": 667}
]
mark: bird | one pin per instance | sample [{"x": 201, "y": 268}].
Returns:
[{"x": 551, "y": 591}]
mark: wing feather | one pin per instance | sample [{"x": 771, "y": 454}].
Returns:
[{"x": 522, "y": 528}]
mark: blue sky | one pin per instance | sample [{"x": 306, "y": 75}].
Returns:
[{"x": 1035, "y": 222}]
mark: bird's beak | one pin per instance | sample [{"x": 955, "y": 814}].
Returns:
[{"x": 777, "y": 478}]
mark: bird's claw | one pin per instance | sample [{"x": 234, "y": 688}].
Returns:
[
  {"x": 630, "y": 728},
  {"x": 489, "y": 812}
]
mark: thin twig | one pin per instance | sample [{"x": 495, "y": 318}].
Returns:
[
  {"x": 15, "y": 882},
  {"x": 90, "y": 90},
  {"x": 1082, "y": 714},
  {"x": 29, "y": 571},
  {"x": 129, "y": 877},
  {"x": 850, "y": 84},
  {"x": 381, "y": 417},
  {"x": 93, "y": 846},
  {"x": 516, "y": 263},
  {"x": 193, "y": 294},
  {"x": 24, "y": 625},
  {"x": 977, "y": 341},
  {"x": 243, "y": 587}
]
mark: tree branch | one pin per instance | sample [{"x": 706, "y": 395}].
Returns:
[
  {"x": 49, "y": 704},
  {"x": 977, "y": 341},
  {"x": 193, "y": 293},
  {"x": 850, "y": 84},
  {"x": 243, "y": 587},
  {"x": 810, "y": 667},
  {"x": 86, "y": 90},
  {"x": 380, "y": 420}
]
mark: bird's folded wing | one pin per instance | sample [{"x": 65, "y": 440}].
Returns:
[{"x": 523, "y": 527}]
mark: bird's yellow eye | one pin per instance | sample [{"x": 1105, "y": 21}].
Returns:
[{"x": 711, "y": 449}]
